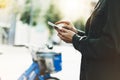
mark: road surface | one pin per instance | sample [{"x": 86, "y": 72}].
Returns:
[{"x": 15, "y": 60}]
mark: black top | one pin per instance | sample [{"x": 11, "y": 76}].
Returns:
[{"x": 100, "y": 48}]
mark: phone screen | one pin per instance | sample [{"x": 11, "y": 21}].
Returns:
[{"x": 54, "y": 25}]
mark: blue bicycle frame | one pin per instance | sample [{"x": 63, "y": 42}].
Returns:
[{"x": 34, "y": 70}]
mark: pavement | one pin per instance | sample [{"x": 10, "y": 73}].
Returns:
[{"x": 15, "y": 60}]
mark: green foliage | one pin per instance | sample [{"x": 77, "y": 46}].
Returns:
[
  {"x": 79, "y": 24},
  {"x": 25, "y": 18},
  {"x": 35, "y": 16},
  {"x": 30, "y": 14},
  {"x": 53, "y": 14}
]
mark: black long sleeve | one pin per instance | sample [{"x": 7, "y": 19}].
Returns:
[
  {"x": 81, "y": 33},
  {"x": 108, "y": 44}
]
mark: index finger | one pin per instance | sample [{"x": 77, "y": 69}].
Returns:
[{"x": 64, "y": 22}]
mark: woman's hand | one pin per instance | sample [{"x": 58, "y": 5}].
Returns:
[
  {"x": 66, "y": 35},
  {"x": 67, "y": 25}
]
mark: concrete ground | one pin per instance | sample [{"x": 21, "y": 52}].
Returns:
[{"x": 15, "y": 60}]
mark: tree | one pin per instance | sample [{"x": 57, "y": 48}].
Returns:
[
  {"x": 53, "y": 14},
  {"x": 30, "y": 13},
  {"x": 80, "y": 24}
]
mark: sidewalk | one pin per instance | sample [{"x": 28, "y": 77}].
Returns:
[{"x": 15, "y": 60}]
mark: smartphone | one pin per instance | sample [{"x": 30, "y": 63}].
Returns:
[{"x": 54, "y": 25}]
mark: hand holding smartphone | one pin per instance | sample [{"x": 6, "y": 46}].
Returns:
[{"x": 54, "y": 25}]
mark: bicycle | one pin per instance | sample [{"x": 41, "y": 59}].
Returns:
[{"x": 44, "y": 63}]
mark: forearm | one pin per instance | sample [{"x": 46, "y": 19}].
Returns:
[{"x": 94, "y": 48}]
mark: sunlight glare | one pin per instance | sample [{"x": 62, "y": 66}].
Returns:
[{"x": 72, "y": 9}]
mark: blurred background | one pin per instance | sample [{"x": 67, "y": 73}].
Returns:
[{"x": 24, "y": 22}]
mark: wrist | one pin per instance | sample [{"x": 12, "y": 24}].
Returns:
[{"x": 76, "y": 31}]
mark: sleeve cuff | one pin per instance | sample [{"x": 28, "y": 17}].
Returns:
[
  {"x": 75, "y": 40},
  {"x": 80, "y": 32}
]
